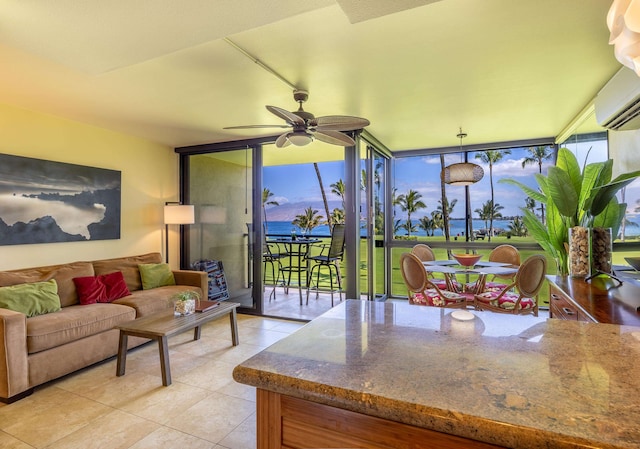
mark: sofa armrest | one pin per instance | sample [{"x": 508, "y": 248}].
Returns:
[
  {"x": 14, "y": 368},
  {"x": 193, "y": 278}
]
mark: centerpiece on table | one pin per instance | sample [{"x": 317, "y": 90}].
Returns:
[
  {"x": 583, "y": 214},
  {"x": 184, "y": 303}
]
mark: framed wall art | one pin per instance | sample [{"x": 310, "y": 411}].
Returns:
[{"x": 44, "y": 202}]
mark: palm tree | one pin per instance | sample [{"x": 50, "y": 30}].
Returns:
[
  {"x": 491, "y": 157},
  {"x": 410, "y": 203},
  {"x": 338, "y": 188},
  {"x": 267, "y": 201},
  {"x": 446, "y": 211},
  {"x": 324, "y": 195},
  {"x": 484, "y": 213},
  {"x": 530, "y": 204},
  {"x": 517, "y": 227},
  {"x": 428, "y": 224},
  {"x": 438, "y": 221},
  {"x": 443, "y": 199},
  {"x": 337, "y": 216},
  {"x": 537, "y": 155},
  {"x": 308, "y": 220}
]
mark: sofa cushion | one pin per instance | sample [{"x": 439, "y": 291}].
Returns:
[
  {"x": 128, "y": 266},
  {"x": 116, "y": 286},
  {"x": 155, "y": 300},
  {"x": 156, "y": 275},
  {"x": 63, "y": 274},
  {"x": 73, "y": 323},
  {"x": 102, "y": 288},
  {"x": 32, "y": 299},
  {"x": 90, "y": 290}
]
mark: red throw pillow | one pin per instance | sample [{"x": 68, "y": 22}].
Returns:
[
  {"x": 104, "y": 288},
  {"x": 115, "y": 285},
  {"x": 90, "y": 290}
]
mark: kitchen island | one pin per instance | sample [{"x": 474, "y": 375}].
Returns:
[{"x": 394, "y": 375}]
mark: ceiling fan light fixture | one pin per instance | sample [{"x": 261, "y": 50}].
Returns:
[{"x": 299, "y": 138}]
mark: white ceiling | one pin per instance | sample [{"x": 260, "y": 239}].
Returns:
[{"x": 417, "y": 69}]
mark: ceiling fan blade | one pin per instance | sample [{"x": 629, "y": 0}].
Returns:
[
  {"x": 256, "y": 126},
  {"x": 333, "y": 137},
  {"x": 339, "y": 123},
  {"x": 285, "y": 115},
  {"x": 282, "y": 141}
]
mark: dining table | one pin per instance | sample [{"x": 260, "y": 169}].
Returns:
[
  {"x": 451, "y": 269},
  {"x": 295, "y": 251}
]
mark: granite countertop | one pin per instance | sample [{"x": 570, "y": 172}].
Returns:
[{"x": 516, "y": 381}]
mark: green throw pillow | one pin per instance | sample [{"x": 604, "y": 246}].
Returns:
[
  {"x": 155, "y": 275},
  {"x": 32, "y": 299}
]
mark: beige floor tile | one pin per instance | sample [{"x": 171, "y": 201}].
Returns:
[
  {"x": 214, "y": 417},
  {"x": 49, "y": 415},
  {"x": 206, "y": 346},
  {"x": 163, "y": 404},
  {"x": 9, "y": 442},
  {"x": 262, "y": 337},
  {"x": 243, "y": 436},
  {"x": 119, "y": 391},
  {"x": 238, "y": 354},
  {"x": 212, "y": 375},
  {"x": 240, "y": 391},
  {"x": 116, "y": 430},
  {"x": 165, "y": 438}
]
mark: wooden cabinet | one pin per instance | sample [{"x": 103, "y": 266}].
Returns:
[
  {"x": 563, "y": 307},
  {"x": 608, "y": 302},
  {"x": 285, "y": 422}
]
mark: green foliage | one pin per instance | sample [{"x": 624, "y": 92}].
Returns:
[{"x": 574, "y": 198}]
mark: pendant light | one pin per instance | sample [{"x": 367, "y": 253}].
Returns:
[{"x": 463, "y": 173}]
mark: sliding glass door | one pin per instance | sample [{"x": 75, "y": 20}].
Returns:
[{"x": 220, "y": 186}]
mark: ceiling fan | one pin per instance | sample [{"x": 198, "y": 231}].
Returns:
[{"x": 304, "y": 126}]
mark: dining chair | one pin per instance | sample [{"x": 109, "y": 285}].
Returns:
[
  {"x": 508, "y": 254},
  {"x": 521, "y": 296},
  {"x": 422, "y": 290},
  {"x": 329, "y": 257},
  {"x": 426, "y": 254}
]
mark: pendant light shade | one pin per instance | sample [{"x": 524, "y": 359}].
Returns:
[
  {"x": 463, "y": 173},
  {"x": 623, "y": 21}
]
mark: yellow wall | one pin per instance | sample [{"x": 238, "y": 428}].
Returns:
[{"x": 149, "y": 178}]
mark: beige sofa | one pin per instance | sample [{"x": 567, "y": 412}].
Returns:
[{"x": 38, "y": 349}]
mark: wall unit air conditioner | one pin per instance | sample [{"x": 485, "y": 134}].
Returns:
[{"x": 617, "y": 104}]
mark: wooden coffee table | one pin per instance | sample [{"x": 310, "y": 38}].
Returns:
[{"x": 163, "y": 325}]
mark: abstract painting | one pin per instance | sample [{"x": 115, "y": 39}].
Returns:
[{"x": 44, "y": 202}]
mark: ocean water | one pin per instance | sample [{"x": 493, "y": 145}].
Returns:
[{"x": 457, "y": 228}]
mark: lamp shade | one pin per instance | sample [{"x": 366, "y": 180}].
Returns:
[
  {"x": 179, "y": 214},
  {"x": 623, "y": 21},
  {"x": 462, "y": 174}
]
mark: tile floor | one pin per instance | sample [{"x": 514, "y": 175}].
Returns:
[{"x": 204, "y": 408}]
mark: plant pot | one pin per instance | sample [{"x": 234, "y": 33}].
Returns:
[
  {"x": 186, "y": 307},
  {"x": 579, "y": 252}
]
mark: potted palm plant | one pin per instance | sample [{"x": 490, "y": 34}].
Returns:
[{"x": 575, "y": 199}]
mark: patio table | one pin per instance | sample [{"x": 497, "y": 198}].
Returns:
[{"x": 296, "y": 250}]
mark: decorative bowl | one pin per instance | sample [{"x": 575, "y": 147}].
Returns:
[
  {"x": 467, "y": 260},
  {"x": 634, "y": 262}
]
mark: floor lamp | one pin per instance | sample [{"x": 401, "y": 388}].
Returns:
[{"x": 176, "y": 213}]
